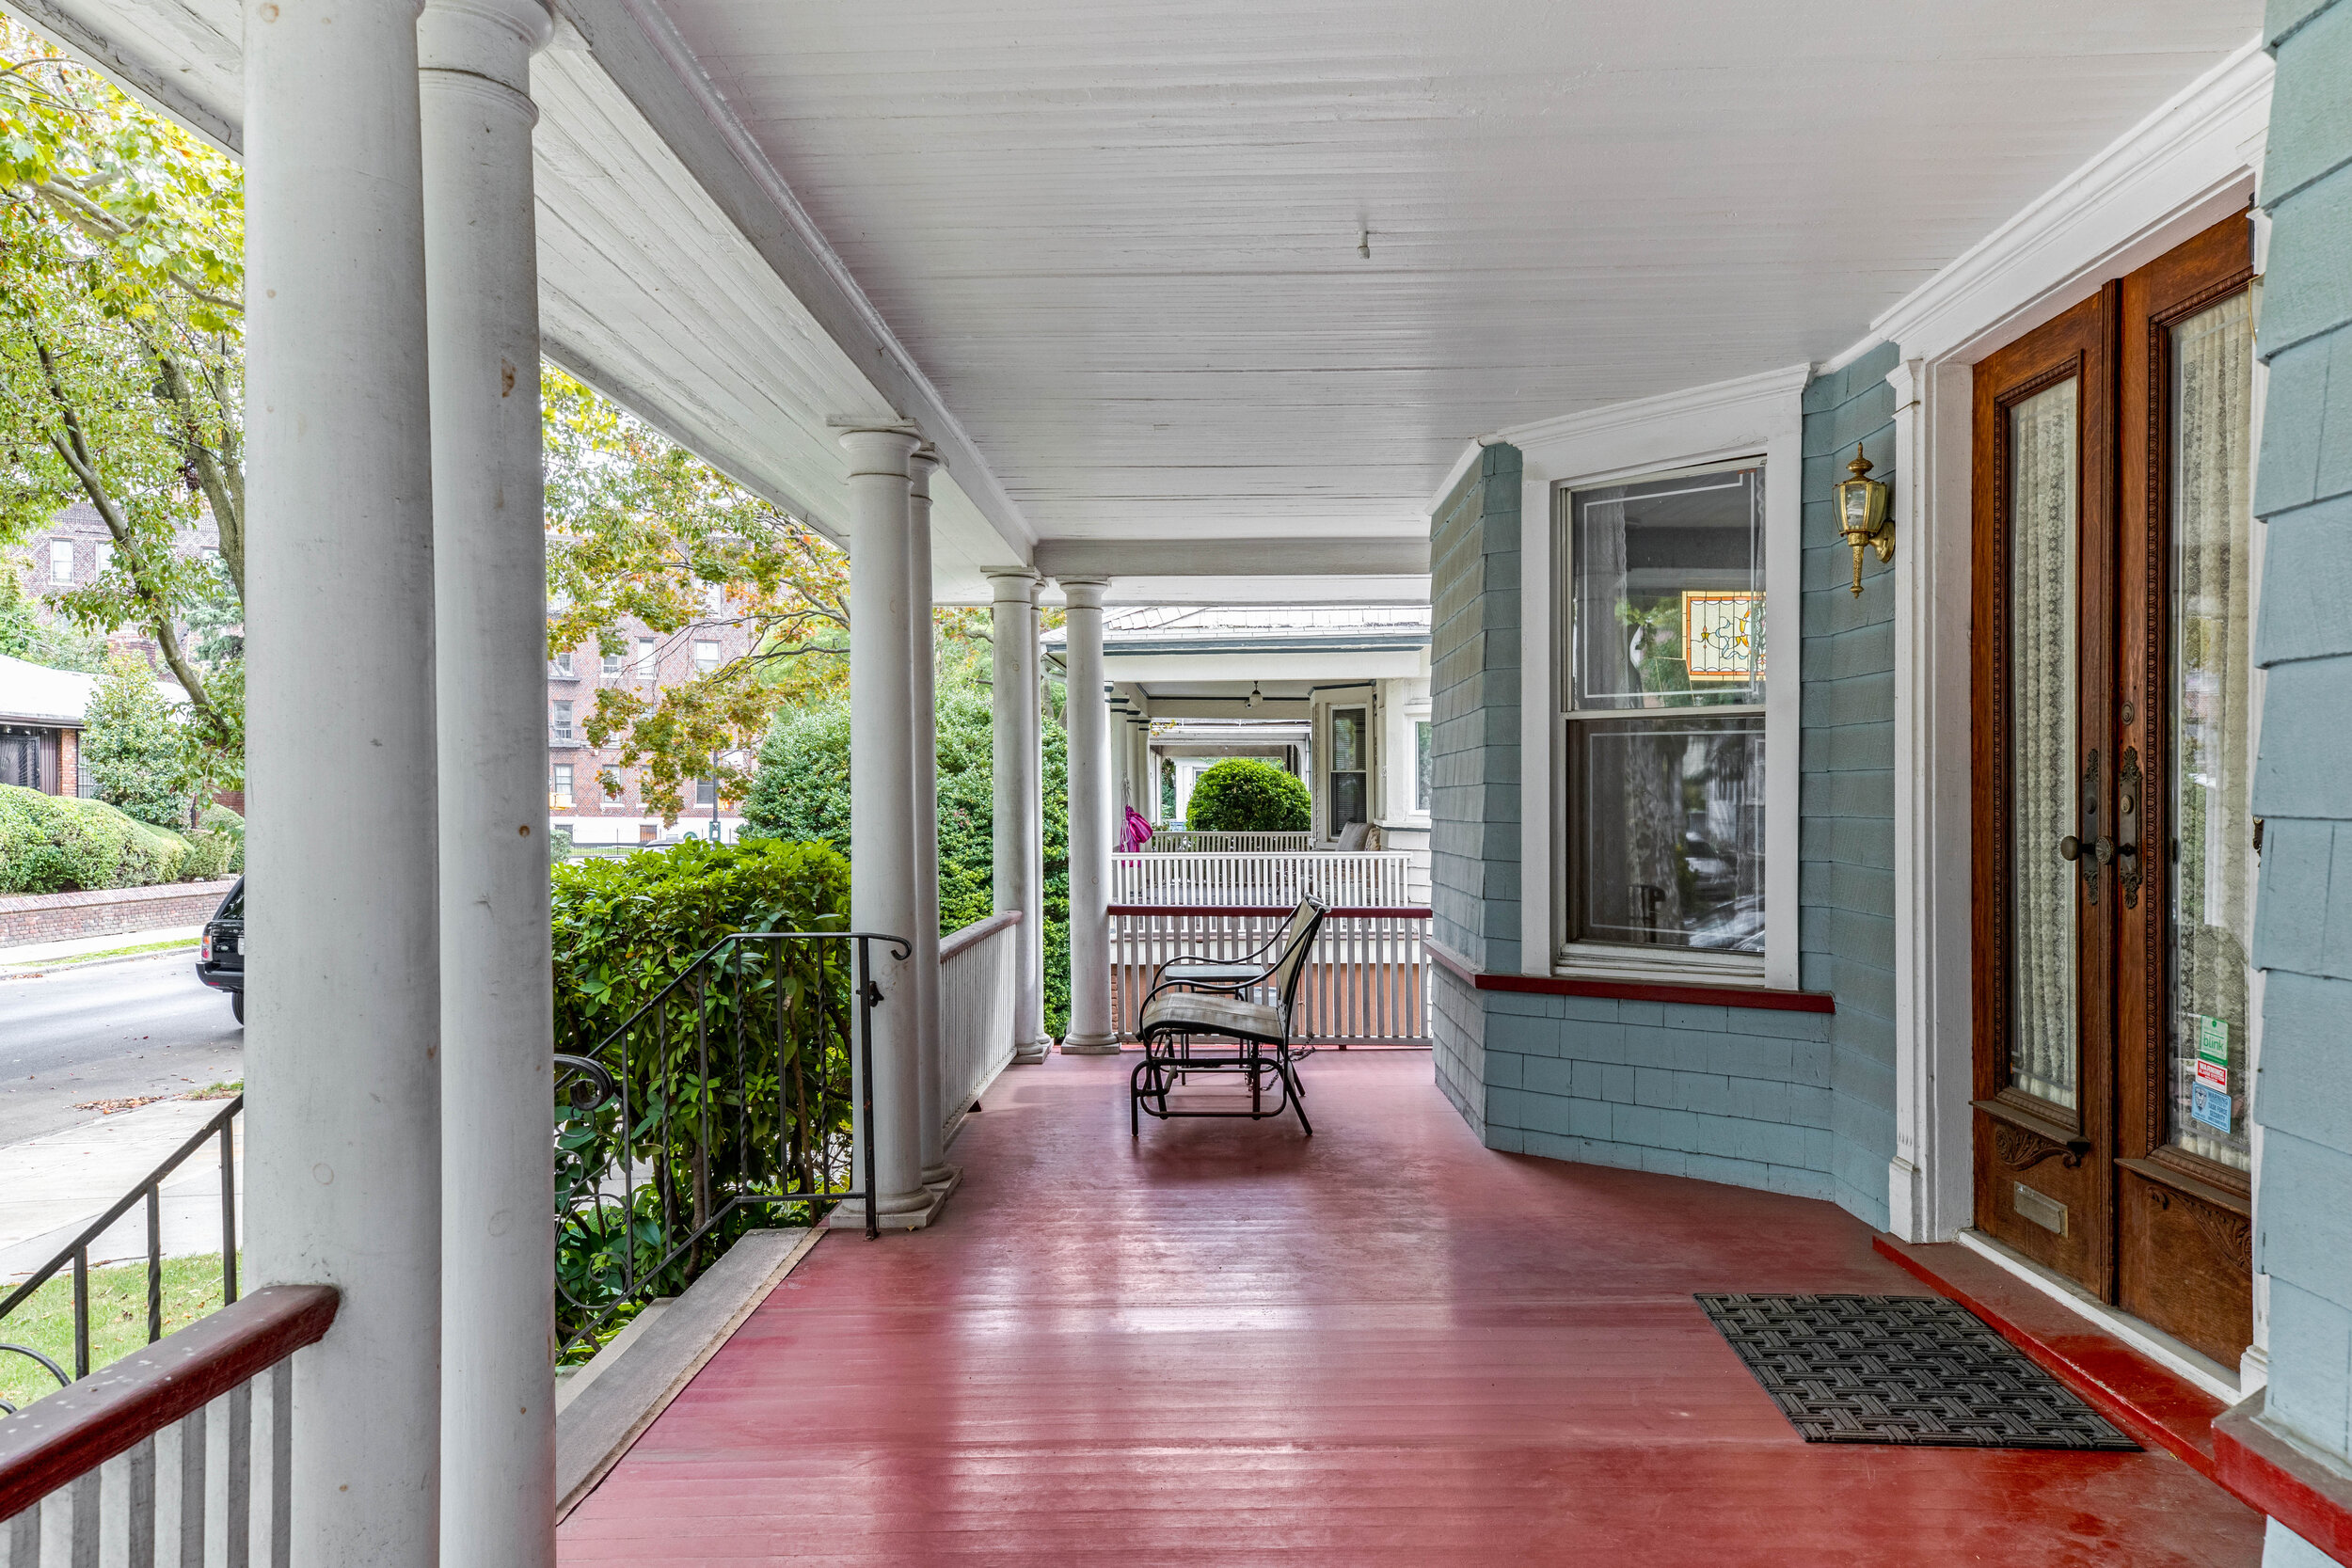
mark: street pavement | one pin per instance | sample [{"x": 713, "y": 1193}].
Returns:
[{"x": 77, "y": 1035}]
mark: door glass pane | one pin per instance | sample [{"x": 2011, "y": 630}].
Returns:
[
  {"x": 1670, "y": 849},
  {"x": 2213, "y": 880},
  {"x": 1669, "y": 591},
  {"x": 2044, "y": 802}
]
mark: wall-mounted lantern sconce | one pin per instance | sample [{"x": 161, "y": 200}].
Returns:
[{"x": 1862, "y": 514}]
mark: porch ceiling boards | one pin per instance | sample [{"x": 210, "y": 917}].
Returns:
[
  {"x": 1224, "y": 1343},
  {"x": 1124, "y": 239}
]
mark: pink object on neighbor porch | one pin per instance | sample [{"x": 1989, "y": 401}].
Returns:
[{"x": 1135, "y": 833}]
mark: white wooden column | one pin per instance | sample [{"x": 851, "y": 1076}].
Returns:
[
  {"x": 882, "y": 772},
  {"x": 924, "y": 803},
  {"x": 342, "y": 1026},
  {"x": 1019, "y": 815},
  {"x": 497, "y": 1278},
  {"x": 1090, "y": 831}
]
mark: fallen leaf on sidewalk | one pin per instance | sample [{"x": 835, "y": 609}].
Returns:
[{"x": 108, "y": 1107}]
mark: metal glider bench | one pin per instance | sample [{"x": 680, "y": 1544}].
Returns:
[{"x": 1192, "y": 996}]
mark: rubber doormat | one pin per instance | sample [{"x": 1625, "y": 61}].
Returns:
[{"x": 1911, "y": 1369}]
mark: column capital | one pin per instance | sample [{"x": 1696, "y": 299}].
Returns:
[
  {"x": 885, "y": 450},
  {"x": 489, "y": 40},
  {"x": 1014, "y": 584},
  {"x": 1084, "y": 593},
  {"x": 922, "y": 463}
]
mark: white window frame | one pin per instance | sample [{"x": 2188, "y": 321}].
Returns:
[
  {"x": 57, "y": 548},
  {"x": 715, "y": 658},
  {"x": 1751, "y": 418},
  {"x": 560, "y": 720},
  {"x": 560, "y": 787},
  {"x": 648, "y": 666}
]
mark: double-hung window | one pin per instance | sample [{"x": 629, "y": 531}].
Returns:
[
  {"x": 560, "y": 727},
  {"x": 62, "y": 561},
  {"x": 560, "y": 789},
  {"x": 707, "y": 654},
  {"x": 645, "y": 668},
  {"x": 1662, "y": 715}
]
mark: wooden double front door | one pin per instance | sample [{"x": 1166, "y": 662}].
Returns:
[{"x": 2114, "y": 844}]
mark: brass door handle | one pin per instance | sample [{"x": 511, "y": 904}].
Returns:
[
  {"x": 2104, "y": 849},
  {"x": 2070, "y": 848}
]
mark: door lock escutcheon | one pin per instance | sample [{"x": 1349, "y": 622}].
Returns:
[{"x": 2092, "y": 850}]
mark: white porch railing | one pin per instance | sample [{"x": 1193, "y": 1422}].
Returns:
[
  {"x": 976, "y": 1001},
  {"x": 1340, "y": 878},
  {"x": 1368, "y": 979},
  {"x": 179, "y": 1452},
  {"x": 1186, "y": 840}
]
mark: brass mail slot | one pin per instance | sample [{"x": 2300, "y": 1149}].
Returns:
[{"x": 2041, "y": 1207}]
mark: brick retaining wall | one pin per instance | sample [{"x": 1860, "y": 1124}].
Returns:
[{"x": 62, "y": 916}]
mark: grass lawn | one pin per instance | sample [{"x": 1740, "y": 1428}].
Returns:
[{"x": 117, "y": 1319}]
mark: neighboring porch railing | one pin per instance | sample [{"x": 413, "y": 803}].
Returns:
[
  {"x": 1366, "y": 982},
  {"x": 976, "y": 999},
  {"x": 179, "y": 1453},
  {"x": 1341, "y": 878},
  {"x": 1186, "y": 840}
]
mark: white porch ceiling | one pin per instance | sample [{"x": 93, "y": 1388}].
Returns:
[
  {"x": 1107, "y": 254},
  {"x": 1122, "y": 239}
]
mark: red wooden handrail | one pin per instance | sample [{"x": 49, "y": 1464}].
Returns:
[
  {"x": 976, "y": 933},
  {"x": 56, "y": 1440},
  {"x": 1350, "y": 911}
]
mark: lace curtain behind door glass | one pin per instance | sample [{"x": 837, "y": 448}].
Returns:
[
  {"x": 2213, "y": 875},
  {"x": 2043, "y": 767}
]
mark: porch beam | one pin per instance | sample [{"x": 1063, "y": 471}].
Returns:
[
  {"x": 489, "y": 554},
  {"x": 1019, "y": 816},
  {"x": 922, "y": 676},
  {"x": 343, "y": 1031},
  {"x": 1089, "y": 726},
  {"x": 882, "y": 770},
  {"x": 1066, "y": 559}
]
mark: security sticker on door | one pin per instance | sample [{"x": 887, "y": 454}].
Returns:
[
  {"x": 2209, "y": 1096},
  {"x": 2209, "y": 1105},
  {"x": 2213, "y": 1040}
]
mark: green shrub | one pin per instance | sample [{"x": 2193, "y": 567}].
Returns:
[
  {"x": 131, "y": 747},
  {"x": 58, "y": 844},
  {"x": 1242, "y": 795},
  {"x": 802, "y": 791},
  {"x": 624, "y": 930},
  {"x": 559, "y": 844}
]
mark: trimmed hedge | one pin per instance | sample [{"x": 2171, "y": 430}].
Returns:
[
  {"x": 60, "y": 843},
  {"x": 1242, "y": 795}
]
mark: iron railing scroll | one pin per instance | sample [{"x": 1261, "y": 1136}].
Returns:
[
  {"x": 75, "y": 1254},
  {"x": 727, "y": 1102}
]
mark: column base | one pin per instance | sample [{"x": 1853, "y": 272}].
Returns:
[
  {"x": 851, "y": 1216},
  {"x": 1030, "y": 1052},
  {"x": 1089, "y": 1045}
]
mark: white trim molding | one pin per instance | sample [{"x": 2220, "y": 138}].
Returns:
[
  {"x": 1742, "y": 418},
  {"x": 1929, "y": 1181}
]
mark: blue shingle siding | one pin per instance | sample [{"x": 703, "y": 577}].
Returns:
[
  {"x": 1792, "y": 1102},
  {"x": 1474, "y": 713},
  {"x": 2303, "y": 933},
  {"x": 1846, "y": 839}
]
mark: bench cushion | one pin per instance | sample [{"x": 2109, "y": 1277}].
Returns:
[{"x": 1206, "y": 1013}]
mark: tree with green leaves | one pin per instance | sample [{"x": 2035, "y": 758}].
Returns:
[
  {"x": 131, "y": 748},
  {"x": 121, "y": 275},
  {"x": 639, "y": 528}
]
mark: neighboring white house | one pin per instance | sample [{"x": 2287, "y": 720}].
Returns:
[{"x": 1339, "y": 696}]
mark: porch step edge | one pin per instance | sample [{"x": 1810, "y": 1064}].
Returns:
[
  {"x": 595, "y": 1428},
  {"x": 2157, "y": 1406},
  {"x": 2299, "y": 1488}
]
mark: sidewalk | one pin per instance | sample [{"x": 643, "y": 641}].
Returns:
[
  {"x": 53, "y": 1185},
  {"x": 15, "y": 961}
]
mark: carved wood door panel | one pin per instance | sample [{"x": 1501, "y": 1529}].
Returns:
[{"x": 2111, "y": 757}]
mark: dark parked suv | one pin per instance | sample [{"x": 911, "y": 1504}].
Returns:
[{"x": 220, "y": 957}]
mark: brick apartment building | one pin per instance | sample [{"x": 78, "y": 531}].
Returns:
[{"x": 576, "y": 798}]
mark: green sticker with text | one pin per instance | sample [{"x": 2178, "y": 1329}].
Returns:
[{"x": 2213, "y": 1040}]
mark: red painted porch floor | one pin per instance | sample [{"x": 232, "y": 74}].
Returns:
[{"x": 1225, "y": 1343}]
